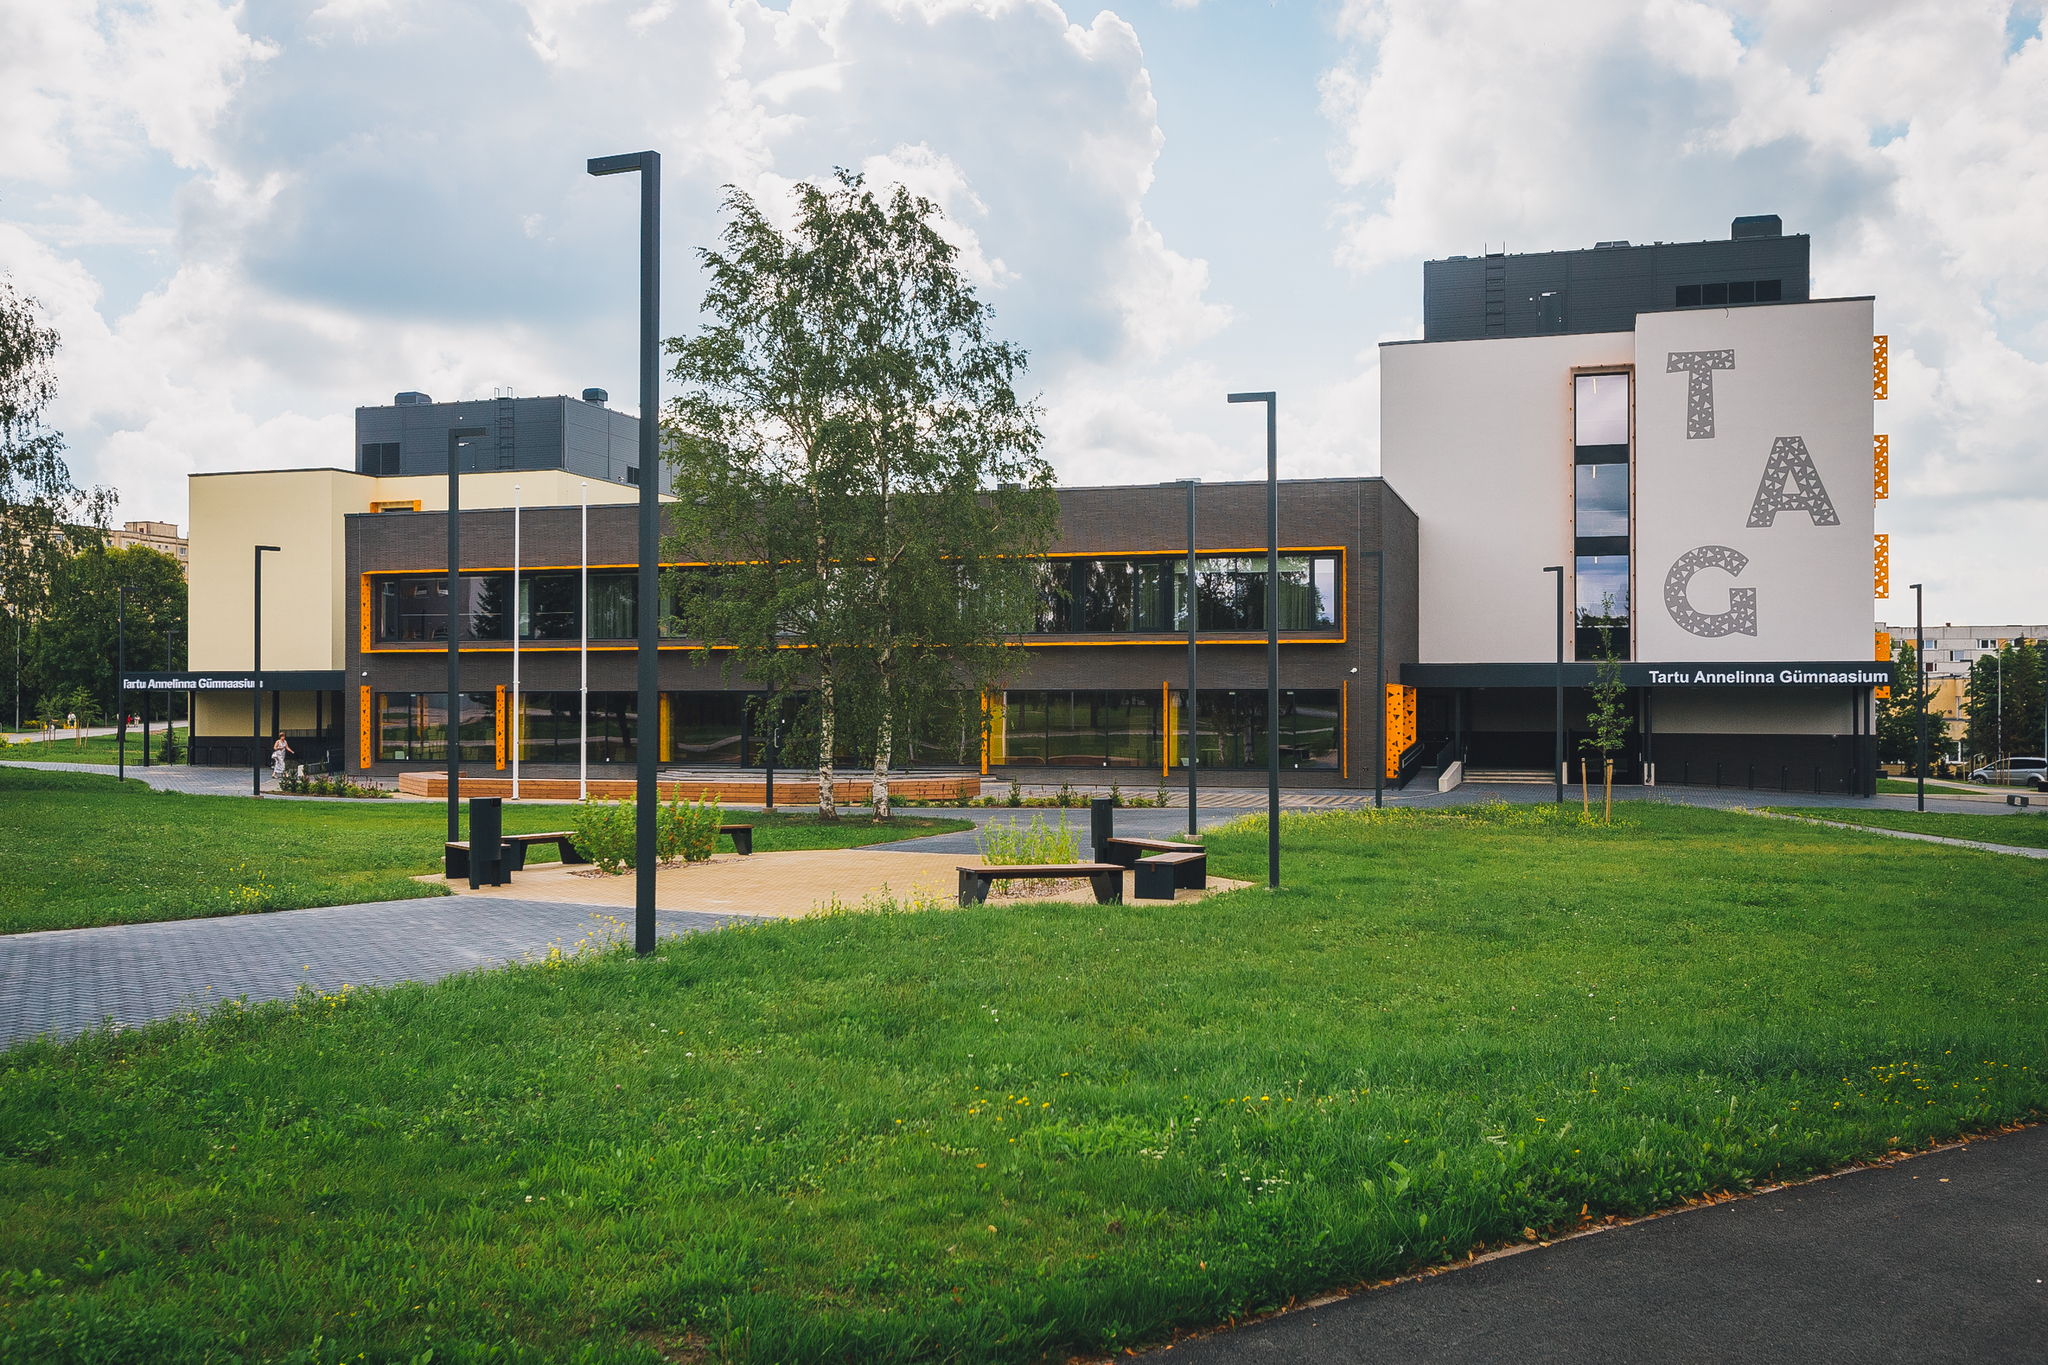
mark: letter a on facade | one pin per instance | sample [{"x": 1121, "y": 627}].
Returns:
[{"x": 1791, "y": 484}]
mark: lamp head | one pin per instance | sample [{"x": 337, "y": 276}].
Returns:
[{"x": 617, "y": 165}]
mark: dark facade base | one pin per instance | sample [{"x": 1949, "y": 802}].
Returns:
[{"x": 1843, "y": 765}]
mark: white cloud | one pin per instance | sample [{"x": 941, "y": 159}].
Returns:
[{"x": 1903, "y": 136}]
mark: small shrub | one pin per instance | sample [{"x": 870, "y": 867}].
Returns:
[
  {"x": 1011, "y": 845},
  {"x": 687, "y": 831},
  {"x": 1116, "y": 794},
  {"x": 1016, "y": 793},
  {"x": 604, "y": 834},
  {"x": 1066, "y": 796},
  {"x": 168, "y": 753}
]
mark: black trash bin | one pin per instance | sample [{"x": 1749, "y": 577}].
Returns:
[
  {"x": 1101, "y": 825},
  {"x": 486, "y": 841}
]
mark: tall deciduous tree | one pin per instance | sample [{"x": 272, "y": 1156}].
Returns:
[
  {"x": 43, "y": 515},
  {"x": 77, "y": 643},
  {"x": 851, "y": 452},
  {"x": 1898, "y": 727},
  {"x": 2003, "y": 701}
]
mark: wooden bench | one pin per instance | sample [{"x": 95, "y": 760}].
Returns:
[
  {"x": 515, "y": 845},
  {"x": 1192, "y": 873},
  {"x": 1107, "y": 879},
  {"x": 1156, "y": 878},
  {"x": 514, "y": 855}
]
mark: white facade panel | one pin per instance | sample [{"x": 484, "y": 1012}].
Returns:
[
  {"x": 1754, "y": 509},
  {"x": 1476, "y": 436}
]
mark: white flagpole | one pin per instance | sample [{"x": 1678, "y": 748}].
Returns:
[
  {"x": 583, "y": 701},
  {"x": 518, "y": 626}
]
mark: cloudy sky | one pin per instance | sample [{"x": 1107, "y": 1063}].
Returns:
[{"x": 247, "y": 219}]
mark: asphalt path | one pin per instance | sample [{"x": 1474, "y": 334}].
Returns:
[{"x": 1938, "y": 1258}]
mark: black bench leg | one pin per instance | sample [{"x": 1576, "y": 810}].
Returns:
[
  {"x": 455, "y": 863},
  {"x": 570, "y": 857},
  {"x": 973, "y": 889},
  {"x": 1109, "y": 887},
  {"x": 1153, "y": 883},
  {"x": 743, "y": 841},
  {"x": 512, "y": 857},
  {"x": 1194, "y": 875}
]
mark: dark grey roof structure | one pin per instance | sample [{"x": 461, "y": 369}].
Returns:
[
  {"x": 1601, "y": 289},
  {"x": 410, "y": 436}
]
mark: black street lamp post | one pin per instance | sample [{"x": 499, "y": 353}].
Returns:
[
  {"x": 1557, "y": 765},
  {"x": 1919, "y": 696},
  {"x": 256, "y": 682},
  {"x": 452, "y": 704},
  {"x": 1194, "y": 754},
  {"x": 1379, "y": 676},
  {"x": 121, "y": 684},
  {"x": 1272, "y": 402},
  {"x": 648, "y": 164}
]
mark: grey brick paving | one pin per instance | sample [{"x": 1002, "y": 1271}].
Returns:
[
  {"x": 67, "y": 981},
  {"x": 176, "y": 777}
]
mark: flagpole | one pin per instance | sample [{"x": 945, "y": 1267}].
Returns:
[
  {"x": 583, "y": 700},
  {"x": 518, "y": 629}
]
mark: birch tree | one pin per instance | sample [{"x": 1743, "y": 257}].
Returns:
[{"x": 852, "y": 456}]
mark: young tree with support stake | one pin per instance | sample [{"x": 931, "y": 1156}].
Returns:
[
  {"x": 1608, "y": 720},
  {"x": 852, "y": 456}
]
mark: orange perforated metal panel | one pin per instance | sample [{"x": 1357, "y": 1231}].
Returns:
[
  {"x": 1884, "y": 654},
  {"x": 1883, "y": 567},
  {"x": 1881, "y": 467},
  {"x": 500, "y": 716},
  {"x": 1880, "y": 366},
  {"x": 366, "y": 732},
  {"x": 1400, "y": 704},
  {"x": 364, "y": 623}
]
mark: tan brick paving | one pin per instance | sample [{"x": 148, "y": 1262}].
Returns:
[{"x": 782, "y": 885}]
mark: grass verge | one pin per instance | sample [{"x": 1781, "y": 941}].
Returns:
[
  {"x": 80, "y": 849},
  {"x": 97, "y": 749},
  {"x": 1015, "y": 1133},
  {"x": 2017, "y": 830}
]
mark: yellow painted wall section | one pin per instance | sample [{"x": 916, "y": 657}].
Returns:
[
  {"x": 667, "y": 750},
  {"x": 304, "y": 609}
]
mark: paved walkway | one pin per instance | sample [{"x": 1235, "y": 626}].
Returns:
[
  {"x": 66, "y": 981},
  {"x": 2016, "y": 849},
  {"x": 1940, "y": 1258}
]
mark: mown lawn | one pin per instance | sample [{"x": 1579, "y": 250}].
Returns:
[
  {"x": 97, "y": 749},
  {"x": 2018, "y": 830},
  {"x": 1019, "y": 1132},
  {"x": 79, "y": 849}
]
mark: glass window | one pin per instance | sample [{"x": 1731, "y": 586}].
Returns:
[
  {"x": 1602, "y": 606},
  {"x": 1104, "y": 585},
  {"x": 705, "y": 727},
  {"x": 1153, "y": 590},
  {"x": 614, "y": 601},
  {"x": 1600, "y": 407},
  {"x": 413, "y": 727},
  {"x": 1601, "y": 496},
  {"x": 1311, "y": 729},
  {"x": 1129, "y": 722},
  {"x": 614, "y": 726}
]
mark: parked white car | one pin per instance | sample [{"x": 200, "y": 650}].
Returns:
[{"x": 2014, "y": 772}]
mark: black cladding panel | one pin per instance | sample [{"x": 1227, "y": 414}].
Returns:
[{"x": 1603, "y": 289}]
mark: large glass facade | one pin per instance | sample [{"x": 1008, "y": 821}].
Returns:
[
  {"x": 1601, "y": 514},
  {"x": 1125, "y": 596},
  {"x": 1126, "y": 729},
  {"x": 412, "y": 727},
  {"x": 413, "y": 608}
]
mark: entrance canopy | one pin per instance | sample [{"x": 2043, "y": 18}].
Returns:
[
  {"x": 1839, "y": 673},
  {"x": 269, "y": 680}
]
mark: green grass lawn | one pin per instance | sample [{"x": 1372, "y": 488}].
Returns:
[
  {"x": 1021, "y": 1132},
  {"x": 97, "y": 749},
  {"x": 2019, "y": 830},
  {"x": 79, "y": 849}
]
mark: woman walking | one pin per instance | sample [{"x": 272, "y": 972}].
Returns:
[{"x": 277, "y": 753}]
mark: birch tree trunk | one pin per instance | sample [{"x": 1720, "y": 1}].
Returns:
[
  {"x": 884, "y": 741},
  {"x": 828, "y": 808}
]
